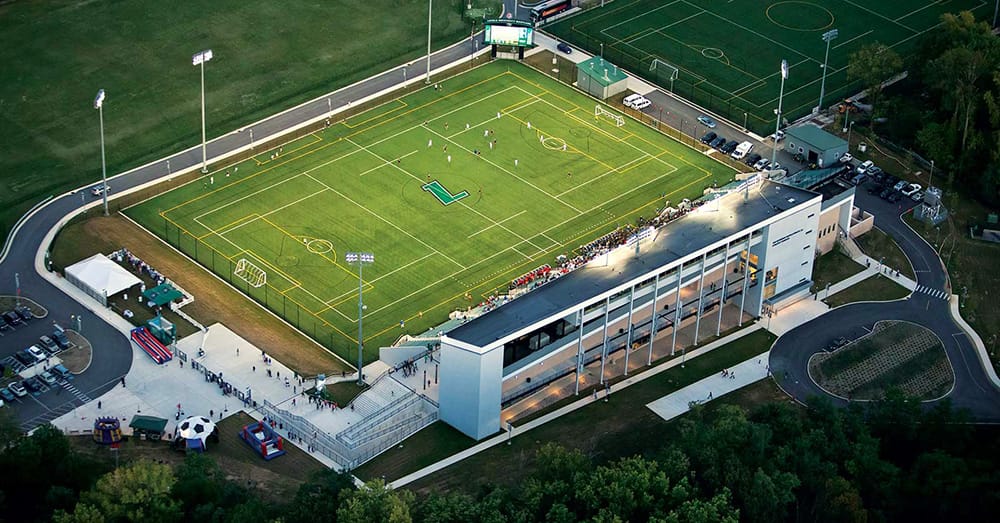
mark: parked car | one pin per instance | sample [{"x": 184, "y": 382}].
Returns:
[
  {"x": 7, "y": 395},
  {"x": 39, "y": 354},
  {"x": 32, "y": 384},
  {"x": 564, "y": 47},
  {"x": 24, "y": 313},
  {"x": 17, "y": 389},
  {"x": 61, "y": 339},
  {"x": 707, "y": 122},
  {"x": 917, "y": 196},
  {"x": 889, "y": 180},
  {"x": 774, "y": 166},
  {"x": 752, "y": 159},
  {"x": 25, "y": 358},
  {"x": 911, "y": 189},
  {"x": 709, "y": 136},
  {"x": 846, "y": 158},
  {"x": 875, "y": 172},
  {"x": 719, "y": 141},
  {"x": 729, "y": 147},
  {"x": 894, "y": 197},
  {"x": 885, "y": 193},
  {"x": 3, "y": 323},
  {"x": 900, "y": 185},
  {"x": 61, "y": 371},
  {"x": 778, "y": 136},
  {"x": 48, "y": 378},
  {"x": 48, "y": 345},
  {"x": 761, "y": 164},
  {"x": 865, "y": 165},
  {"x": 12, "y": 318}
]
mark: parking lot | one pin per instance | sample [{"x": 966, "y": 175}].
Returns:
[{"x": 34, "y": 379}]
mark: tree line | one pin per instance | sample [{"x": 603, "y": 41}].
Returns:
[
  {"x": 948, "y": 106},
  {"x": 889, "y": 461}
]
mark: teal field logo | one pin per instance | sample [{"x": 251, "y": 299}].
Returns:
[{"x": 442, "y": 194}]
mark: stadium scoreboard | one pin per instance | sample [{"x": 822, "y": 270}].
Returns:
[{"x": 510, "y": 32}]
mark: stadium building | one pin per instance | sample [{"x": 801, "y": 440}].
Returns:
[{"x": 719, "y": 266}]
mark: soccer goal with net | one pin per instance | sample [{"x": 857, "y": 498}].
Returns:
[
  {"x": 250, "y": 273},
  {"x": 601, "y": 112},
  {"x": 662, "y": 68}
]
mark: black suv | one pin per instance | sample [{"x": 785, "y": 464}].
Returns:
[{"x": 709, "y": 136}]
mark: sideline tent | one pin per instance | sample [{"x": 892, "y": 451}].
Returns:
[{"x": 100, "y": 277}]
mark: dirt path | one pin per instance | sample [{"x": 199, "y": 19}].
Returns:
[{"x": 214, "y": 300}]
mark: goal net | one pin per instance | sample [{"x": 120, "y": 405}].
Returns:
[
  {"x": 663, "y": 68},
  {"x": 250, "y": 273},
  {"x": 601, "y": 112}
]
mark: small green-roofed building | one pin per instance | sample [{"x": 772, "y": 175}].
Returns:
[
  {"x": 149, "y": 426},
  {"x": 815, "y": 145},
  {"x": 600, "y": 78}
]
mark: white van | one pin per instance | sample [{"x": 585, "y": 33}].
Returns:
[
  {"x": 630, "y": 100},
  {"x": 742, "y": 150}
]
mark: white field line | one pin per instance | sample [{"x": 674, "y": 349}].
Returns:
[
  {"x": 268, "y": 213},
  {"x": 460, "y": 202},
  {"x": 488, "y": 227},
  {"x": 372, "y": 282},
  {"x": 526, "y": 182},
  {"x": 389, "y": 222},
  {"x": 880, "y": 15},
  {"x": 615, "y": 170},
  {"x": 849, "y": 40},
  {"x": 647, "y": 13},
  {"x": 373, "y": 169},
  {"x": 470, "y": 104},
  {"x": 747, "y": 29}
]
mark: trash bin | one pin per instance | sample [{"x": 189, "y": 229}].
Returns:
[{"x": 863, "y": 147}]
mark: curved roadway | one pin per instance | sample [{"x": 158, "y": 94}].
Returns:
[
  {"x": 973, "y": 388},
  {"x": 112, "y": 355}
]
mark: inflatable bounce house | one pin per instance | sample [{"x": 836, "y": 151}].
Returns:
[
  {"x": 193, "y": 432},
  {"x": 107, "y": 431},
  {"x": 263, "y": 440}
]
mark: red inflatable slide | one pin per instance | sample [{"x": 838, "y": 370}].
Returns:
[{"x": 147, "y": 342}]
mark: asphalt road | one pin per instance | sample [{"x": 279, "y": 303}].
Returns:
[
  {"x": 112, "y": 355},
  {"x": 973, "y": 390}
]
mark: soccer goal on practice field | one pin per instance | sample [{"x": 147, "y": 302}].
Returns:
[
  {"x": 663, "y": 68},
  {"x": 250, "y": 273},
  {"x": 600, "y": 111}
]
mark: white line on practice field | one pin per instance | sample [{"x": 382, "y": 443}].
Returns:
[
  {"x": 494, "y": 164},
  {"x": 615, "y": 170},
  {"x": 370, "y": 282},
  {"x": 862, "y": 35},
  {"x": 387, "y": 163},
  {"x": 268, "y": 213},
  {"x": 488, "y": 227},
  {"x": 470, "y": 104},
  {"x": 880, "y": 15}
]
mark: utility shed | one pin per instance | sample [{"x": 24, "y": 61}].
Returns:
[
  {"x": 815, "y": 145},
  {"x": 600, "y": 78}
]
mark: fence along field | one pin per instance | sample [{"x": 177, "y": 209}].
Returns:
[
  {"x": 453, "y": 200},
  {"x": 727, "y": 55}
]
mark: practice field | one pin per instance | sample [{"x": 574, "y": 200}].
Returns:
[
  {"x": 727, "y": 55},
  {"x": 449, "y": 217}
]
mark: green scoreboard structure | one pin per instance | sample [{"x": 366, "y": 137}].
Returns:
[{"x": 510, "y": 33}]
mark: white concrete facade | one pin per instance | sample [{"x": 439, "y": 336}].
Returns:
[{"x": 478, "y": 379}]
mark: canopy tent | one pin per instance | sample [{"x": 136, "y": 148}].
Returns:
[
  {"x": 148, "y": 424},
  {"x": 100, "y": 277},
  {"x": 195, "y": 430},
  {"x": 161, "y": 294}
]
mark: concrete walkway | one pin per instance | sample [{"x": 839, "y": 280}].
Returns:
[{"x": 712, "y": 387}]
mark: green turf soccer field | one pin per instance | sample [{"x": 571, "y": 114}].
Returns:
[
  {"x": 444, "y": 233},
  {"x": 728, "y": 54}
]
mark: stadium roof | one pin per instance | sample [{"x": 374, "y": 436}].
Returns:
[
  {"x": 816, "y": 137},
  {"x": 604, "y": 72},
  {"x": 714, "y": 221}
]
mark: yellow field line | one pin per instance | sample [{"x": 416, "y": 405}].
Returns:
[
  {"x": 359, "y": 124},
  {"x": 220, "y": 232},
  {"x": 292, "y": 236}
]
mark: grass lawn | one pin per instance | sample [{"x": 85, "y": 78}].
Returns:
[
  {"x": 833, "y": 267},
  {"x": 728, "y": 54},
  {"x": 268, "y": 56},
  {"x": 879, "y": 245},
  {"x": 875, "y": 288},
  {"x": 621, "y": 427},
  {"x": 453, "y": 201},
  {"x": 343, "y": 393}
]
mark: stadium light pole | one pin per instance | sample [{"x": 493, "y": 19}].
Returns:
[
  {"x": 828, "y": 37},
  {"x": 430, "y": 8},
  {"x": 361, "y": 258},
  {"x": 199, "y": 59},
  {"x": 777, "y": 124},
  {"x": 99, "y": 105}
]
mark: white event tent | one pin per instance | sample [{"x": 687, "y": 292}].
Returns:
[{"x": 100, "y": 277}]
